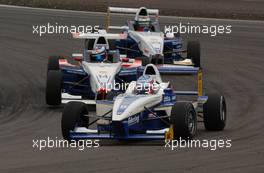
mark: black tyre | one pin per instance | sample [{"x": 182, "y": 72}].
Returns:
[
  {"x": 193, "y": 52},
  {"x": 145, "y": 61},
  {"x": 214, "y": 111},
  {"x": 112, "y": 94},
  {"x": 184, "y": 120},
  {"x": 112, "y": 44},
  {"x": 89, "y": 44},
  {"x": 73, "y": 115},
  {"x": 54, "y": 87},
  {"x": 53, "y": 63},
  {"x": 177, "y": 35},
  {"x": 157, "y": 60}
]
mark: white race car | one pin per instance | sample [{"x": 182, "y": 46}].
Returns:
[
  {"x": 94, "y": 76},
  {"x": 147, "y": 42},
  {"x": 148, "y": 110}
]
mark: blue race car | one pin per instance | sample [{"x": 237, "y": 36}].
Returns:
[{"x": 145, "y": 40}]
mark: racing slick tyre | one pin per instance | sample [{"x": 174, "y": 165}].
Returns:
[
  {"x": 145, "y": 61},
  {"x": 73, "y": 115},
  {"x": 53, "y": 63},
  {"x": 112, "y": 44},
  {"x": 214, "y": 112},
  {"x": 111, "y": 95},
  {"x": 157, "y": 60},
  {"x": 89, "y": 44},
  {"x": 193, "y": 52},
  {"x": 184, "y": 120},
  {"x": 53, "y": 87}
]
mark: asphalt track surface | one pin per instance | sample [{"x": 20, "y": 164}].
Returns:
[
  {"x": 235, "y": 9},
  {"x": 233, "y": 65}
]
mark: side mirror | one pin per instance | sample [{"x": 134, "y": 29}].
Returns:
[
  {"x": 124, "y": 59},
  {"x": 126, "y": 28},
  {"x": 77, "y": 57},
  {"x": 127, "y": 60},
  {"x": 169, "y": 35}
]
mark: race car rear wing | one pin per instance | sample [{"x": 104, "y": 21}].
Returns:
[
  {"x": 107, "y": 36},
  {"x": 199, "y": 91},
  {"x": 187, "y": 71},
  {"x": 122, "y": 10},
  {"x": 172, "y": 70},
  {"x": 131, "y": 10}
]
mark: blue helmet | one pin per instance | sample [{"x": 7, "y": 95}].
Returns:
[{"x": 98, "y": 55}]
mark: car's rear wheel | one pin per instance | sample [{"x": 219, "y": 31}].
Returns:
[
  {"x": 53, "y": 87},
  {"x": 75, "y": 114},
  {"x": 214, "y": 112},
  {"x": 112, "y": 94},
  {"x": 145, "y": 61},
  {"x": 112, "y": 44},
  {"x": 193, "y": 52},
  {"x": 89, "y": 44},
  {"x": 157, "y": 60},
  {"x": 184, "y": 120},
  {"x": 53, "y": 63},
  {"x": 152, "y": 60}
]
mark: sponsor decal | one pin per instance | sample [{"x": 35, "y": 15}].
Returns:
[
  {"x": 167, "y": 99},
  {"x": 127, "y": 100},
  {"x": 133, "y": 120}
]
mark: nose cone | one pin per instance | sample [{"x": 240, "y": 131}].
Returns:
[
  {"x": 102, "y": 74},
  {"x": 123, "y": 106},
  {"x": 128, "y": 105}
]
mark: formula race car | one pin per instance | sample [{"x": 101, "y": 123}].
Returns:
[
  {"x": 146, "y": 41},
  {"x": 148, "y": 110},
  {"x": 100, "y": 68},
  {"x": 93, "y": 77}
]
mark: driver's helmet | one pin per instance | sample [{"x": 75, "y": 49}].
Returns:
[
  {"x": 145, "y": 85},
  {"x": 143, "y": 23},
  {"x": 98, "y": 54}
]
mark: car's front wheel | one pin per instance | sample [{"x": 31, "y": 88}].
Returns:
[
  {"x": 184, "y": 120},
  {"x": 53, "y": 63},
  {"x": 75, "y": 114}
]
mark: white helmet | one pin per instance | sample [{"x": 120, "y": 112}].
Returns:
[{"x": 142, "y": 15}]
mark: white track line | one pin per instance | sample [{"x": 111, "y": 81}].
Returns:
[{"x": 103, "y": 13}]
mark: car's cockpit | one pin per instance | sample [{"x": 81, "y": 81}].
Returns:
[
  {"x": 100, "y": 50},
  {"x": 143, "y": 22}
]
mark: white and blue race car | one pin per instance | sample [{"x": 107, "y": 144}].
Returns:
[
  {"x": 148, "y": 110},
  {"x": 95, "y": 72},
  {"x": 99, "y": 68},
  {"x": 147, "y": 42}
]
